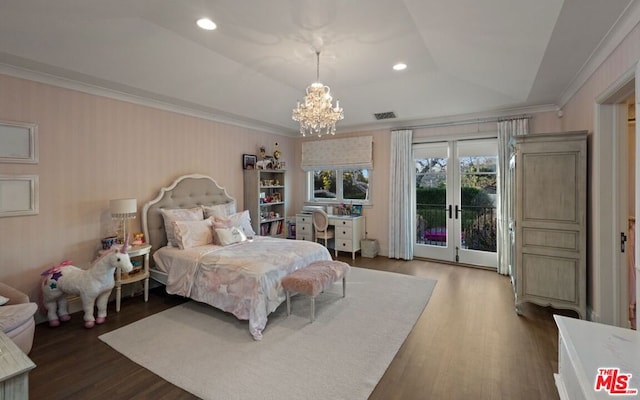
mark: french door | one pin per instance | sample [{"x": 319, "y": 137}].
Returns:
[{"x": 456, "y": 198}]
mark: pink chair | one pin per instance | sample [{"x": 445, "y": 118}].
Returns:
[
  {"x": 17, "y": 317},
  {"x": 321, "y": 226}
]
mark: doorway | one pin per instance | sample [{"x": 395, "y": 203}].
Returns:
[
  {"x": 614, "y": 199},
  {"x": 455, "y": 192}
]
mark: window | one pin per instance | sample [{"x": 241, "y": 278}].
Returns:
[
  {"x": 339, "y": 170},
  {"x": 339, "y": 185}
]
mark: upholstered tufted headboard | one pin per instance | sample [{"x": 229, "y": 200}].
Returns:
[{"x": 185, "y": 192}]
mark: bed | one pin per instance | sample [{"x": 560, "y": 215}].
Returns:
[{"x": 241, "y": 278}]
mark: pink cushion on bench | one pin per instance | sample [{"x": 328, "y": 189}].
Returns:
[{"x": 315, "y": 277}]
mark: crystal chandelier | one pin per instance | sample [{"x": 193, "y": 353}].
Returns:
[{"x": 317, "y": 116}]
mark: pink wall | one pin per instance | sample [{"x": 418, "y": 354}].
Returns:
[
  {"x": 579, "y": 114},
  {"x": 377, "y": 214},
  {"x": 93, "y": 149},
  {"x": 579, "y": 111}
]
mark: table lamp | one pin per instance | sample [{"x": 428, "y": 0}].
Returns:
[{"x": 123, "y": 210}]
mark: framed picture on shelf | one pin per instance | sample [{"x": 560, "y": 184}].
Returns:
[
  {"x": 249, "y": 161},
  {"x": 356, "y": 210}
]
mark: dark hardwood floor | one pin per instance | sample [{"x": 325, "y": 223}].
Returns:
[{"x": 468, "y": 344}]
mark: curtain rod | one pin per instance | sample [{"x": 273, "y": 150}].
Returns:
[{"x": 467, "y": 122}]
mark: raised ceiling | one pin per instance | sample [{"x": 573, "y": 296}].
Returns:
[{"x": 464, "y": 57}]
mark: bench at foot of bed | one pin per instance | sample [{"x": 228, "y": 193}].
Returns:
[{"x": 313, "y": 280}]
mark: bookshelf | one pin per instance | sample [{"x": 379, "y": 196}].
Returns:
[{"x": 264, "y": 197}]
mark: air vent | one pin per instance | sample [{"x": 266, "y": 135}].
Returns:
[{"x": 385, "y": 115}]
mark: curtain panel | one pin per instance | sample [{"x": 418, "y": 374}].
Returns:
[
  {"x": 507, "y": 130},
  {"x": 348, "y": 153},
  {"x": 401, "y": 196}
]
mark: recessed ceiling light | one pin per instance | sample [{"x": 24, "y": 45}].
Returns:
[
  {"x": 400, "y": 67},
  {"x": 206, "y": 24}
]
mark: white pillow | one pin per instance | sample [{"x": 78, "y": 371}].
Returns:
[
  {"x": 241, "y": 220},
  {"x": 220, "y": 210},
  {"x": 179, "y": 214},
  {"x": 228, "y": 236},
  {"x": 3, "y": 300},
  {"x": 192, "y": 233}
]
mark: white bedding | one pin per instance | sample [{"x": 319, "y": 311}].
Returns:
[{"x": 242, "y": 278}]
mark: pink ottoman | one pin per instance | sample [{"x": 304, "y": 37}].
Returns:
[{"x": 313, "y": 280}]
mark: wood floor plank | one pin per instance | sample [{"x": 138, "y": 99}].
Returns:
[{"x": 468, "y": 344}]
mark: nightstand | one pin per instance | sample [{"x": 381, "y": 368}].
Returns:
[{"x": 142, "y": 250}]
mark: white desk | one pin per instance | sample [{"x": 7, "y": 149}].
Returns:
[
  {"x": 585, "y": 346},
  {"x": 349, "y": 230}
]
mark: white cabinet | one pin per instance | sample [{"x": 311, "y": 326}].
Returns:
[
  {"x": 550, "y": 220},
  {"x": 14, "y": 370},
  {"x": 586, "y": 347},
  {"x": 264, "y": 197}
]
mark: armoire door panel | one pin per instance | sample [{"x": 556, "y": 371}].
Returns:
[
  {"x": 540, "y": 270},
  {"x": 550, "y": 238},
  {"x": 548, "y": 195}
]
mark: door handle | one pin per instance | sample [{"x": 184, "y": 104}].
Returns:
[
  {"x": 458, "y": 210},
  {"x": 449, "y": 208},
  {"x": 623, "y": 239}
]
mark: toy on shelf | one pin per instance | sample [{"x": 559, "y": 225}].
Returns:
[
  {"x": 138, "y": 239},
  {"x": 93, "y": 285}
]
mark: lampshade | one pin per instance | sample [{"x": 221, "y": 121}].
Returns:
[{"x": 123, "y": 208}]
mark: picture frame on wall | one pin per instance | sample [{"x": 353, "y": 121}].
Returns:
[
  {"x": 249, "y": 161},
  {"x": 18, "y": 195},
  {"x": 18, "y": 142}
]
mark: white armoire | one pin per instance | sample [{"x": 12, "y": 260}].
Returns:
[{"x": 549, "y": 211}]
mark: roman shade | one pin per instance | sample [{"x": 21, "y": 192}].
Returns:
[{"x": 348, "y": 153}]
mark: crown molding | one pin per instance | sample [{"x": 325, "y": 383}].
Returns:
[
  {"x": 145, "y": 99},
  {"x": 459, "y": 119},
  {"x": 620, "y": 30}
]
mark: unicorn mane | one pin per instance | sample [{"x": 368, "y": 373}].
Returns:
[{"x": 104, "y": 255}]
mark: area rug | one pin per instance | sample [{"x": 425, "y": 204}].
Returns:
[{"x": 341, "y": 355}]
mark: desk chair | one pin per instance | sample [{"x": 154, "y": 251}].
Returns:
[{"x": 321, "y": 226}]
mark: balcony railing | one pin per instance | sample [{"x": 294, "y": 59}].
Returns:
[{"x": 479, "y": 226}]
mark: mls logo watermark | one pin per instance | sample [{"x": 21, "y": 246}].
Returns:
[{"x": 614, "y": 382}]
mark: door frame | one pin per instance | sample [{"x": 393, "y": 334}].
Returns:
[
  {"x": 609, "y": 203},
  {"x": 485, "y": 259}
]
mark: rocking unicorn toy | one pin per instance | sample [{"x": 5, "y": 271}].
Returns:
[{"x": 93, "y": 285}]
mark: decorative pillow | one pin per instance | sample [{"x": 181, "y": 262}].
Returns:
[
  {"x": 3, "y": 300},
  {"x": 227, "y": 236},
  {"x": 241, "y": 220},
  {"x": 220, "y": 210},
  {"x": 179, "y": 214},
  {"x": 192, "y": 233}
]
